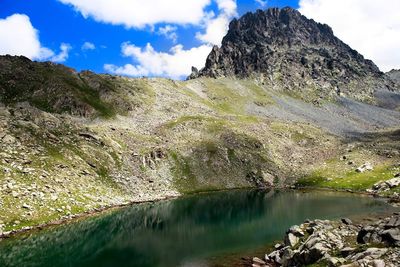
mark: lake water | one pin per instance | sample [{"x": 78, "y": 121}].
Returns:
[{"x": 189, "y": 231}]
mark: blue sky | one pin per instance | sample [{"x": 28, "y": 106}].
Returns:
[{"x": 98, "y": 36}]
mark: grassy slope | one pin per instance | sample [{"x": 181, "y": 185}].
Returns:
[{"x": 380, "y": 149}]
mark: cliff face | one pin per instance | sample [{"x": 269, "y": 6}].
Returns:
[{"x": 290, "y": 51}]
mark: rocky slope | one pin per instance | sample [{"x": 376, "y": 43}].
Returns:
[
  {"x": 287, "y": 51},
  {"x": 72, "y": 142}
]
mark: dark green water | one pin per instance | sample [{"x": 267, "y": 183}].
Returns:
[{"x": 182, "y": 232}]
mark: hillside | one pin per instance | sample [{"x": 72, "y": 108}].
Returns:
[{"x": 72, "y": 142}]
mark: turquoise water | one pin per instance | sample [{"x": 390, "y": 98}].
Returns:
[{"x": 188, "y": 231}]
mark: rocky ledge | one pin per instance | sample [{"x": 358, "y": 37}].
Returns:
[{"x": 338, "y": 243}]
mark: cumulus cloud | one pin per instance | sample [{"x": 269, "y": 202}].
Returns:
[
  {"x": 217, "y": 26},
  {"x": 175, "y": 64},
  {"x": 261, "y": 3},
  {"x": 88, "y": 46},
  {"x": 169, "y": 32},
  {"x": 371, "y": 27},
  {"x": 139, "y": 13},
  {"x": 19, "y": 37}
]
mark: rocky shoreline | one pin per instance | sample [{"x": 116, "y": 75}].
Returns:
[{"x": 338, "y": 243}]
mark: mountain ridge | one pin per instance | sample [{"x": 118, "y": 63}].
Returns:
[{"x": 285, "y": 49}]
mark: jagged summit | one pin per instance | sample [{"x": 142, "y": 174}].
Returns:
[{"x": 286, "y": 49}]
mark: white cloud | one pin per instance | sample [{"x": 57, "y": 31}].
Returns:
[
  {"x": 63, "y": 55},
  {"x": 217, "y": 26},
  {"x": 88, "y": 46},
  {"x": 139, "y": 13},
  {"x": 371, "y": 27},
  {"x": 19, "y": 37},
  {"x": 175, "y": 64},
  {"x": 169, "y": 32},
  {"x": 262, "y": 3}
]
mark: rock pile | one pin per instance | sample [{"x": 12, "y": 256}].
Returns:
[
  {"x": 331, "y": 243},
  {"x": 386, "y": 185}
]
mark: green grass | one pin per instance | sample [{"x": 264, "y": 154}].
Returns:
[
  {"x": 231, "y": 97},
  {"x": 349, "y": 180},
  {"x": 185, "y": 180}
]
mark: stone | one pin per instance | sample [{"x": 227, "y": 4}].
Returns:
[
  {"x": 391, "y": 236},
  {"x": 371, "y": 253},
  {"x": 393, "y": 222},
  {"x": 8, "y": 139},
  {"x": 378, "y": 263},
  {"x": 291, "y": 240},
  {"x": 26, "y": 206},
  {"x": 258, "y": 261},
  {"x": 394, "y": 182},
  {"x": 346, "y": 221},
  {"x": 365, "y": 167},
  {"x": 334, "y": 261}
]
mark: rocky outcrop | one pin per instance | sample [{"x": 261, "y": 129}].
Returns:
[
  {"x": 290, "y": 51},
  {"x": 385, "y": 232},
  {"x": 395, "y": 76},
  {"x": 331, "y": 243}
]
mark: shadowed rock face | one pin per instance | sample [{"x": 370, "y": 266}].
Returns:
[{"x": 289, "y": 50}]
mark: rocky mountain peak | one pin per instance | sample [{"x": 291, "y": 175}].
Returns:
[{"x": 290, "y": 51}]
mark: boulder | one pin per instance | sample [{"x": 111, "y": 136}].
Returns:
[
  {"x": 291, "y": 240},
  {"x": 369, "y": 254},
  {"x": 395, "y": 182},
  {"x": 258, "y": 261},
  {"x": 346, "y": 221},
  {"x": 365, "y": 167}
]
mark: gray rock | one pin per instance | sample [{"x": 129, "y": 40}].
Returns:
[
  {"x": 393, "y": 222},
  {"x": 346, "y": 221},
  {"x": 393, "y": 182},
  {"x": 378, "y": 263},
  {"x": 258, "y": 261},
  {"x": 365, "y": 167},
  {"x": 370, "y": 253},
  {"x": 291, "y": 240},
  {"x": 391, "y": 236}
]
